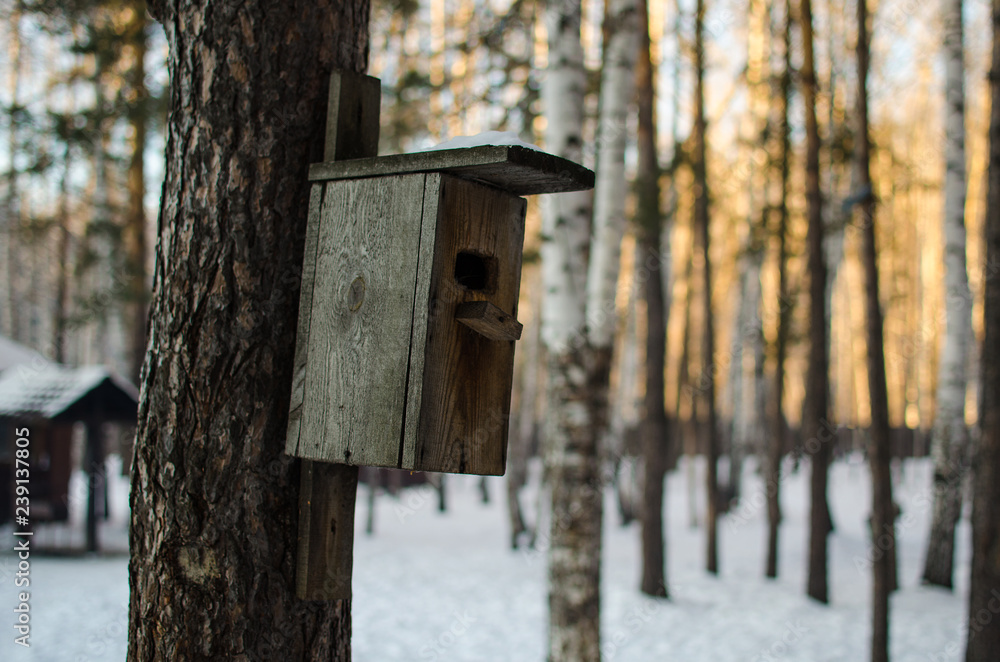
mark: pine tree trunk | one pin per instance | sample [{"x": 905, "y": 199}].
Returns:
[
  {"x": 135, "y": 224},
  {"x": 571, "y": 456},
  {"x": 883, "y": 517},
  {"x": 817, "y": 378},
  {"x": 653, "y": 431},
  {"x": 949, "y": 445},
  {"x": 984, "y": 585},
  {"x": 61, "y": 302},
  {"x": 707, "y": 380},
  {"x": 775, "y": 445},
  {"x": 214, "y": 498}
]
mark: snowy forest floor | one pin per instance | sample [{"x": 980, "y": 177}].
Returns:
[{"x": 447, "y": 586}]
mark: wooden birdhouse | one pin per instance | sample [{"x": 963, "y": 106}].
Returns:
[{"x": 408, "y": 309}]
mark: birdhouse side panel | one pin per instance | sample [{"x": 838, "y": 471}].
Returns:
[
  {"x": 464, "y": 394},
  {"x": 361, "y": 321},
  {"x": 305, "y": 312}
]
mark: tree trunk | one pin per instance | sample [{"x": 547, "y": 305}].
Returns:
[
  {"x": 215, "y": 499},
  {"x": 984, "y": 586},
  {"x": 617, "y": 89},
  {"x": 684, "y": 386},
  {"x": 654, "y": 421},
  {"x": 522, "y": 428},
  {"x": 12, "y": 212},
  {"x": 776, "y": 446},
  {"x": 571, "y": 457},
  {"x": 950, "y": 439},
  {"x": 61, "y": 302},
  {"x": 883, "y": 517},
  {"x": 135, "y": 224},
  {"x": 817, "y": 379},
  {"x": 707, "y": 380}
]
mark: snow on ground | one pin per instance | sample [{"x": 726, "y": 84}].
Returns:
[{"x": 433, "y": 586}]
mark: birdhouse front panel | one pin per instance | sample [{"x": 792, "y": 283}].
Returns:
[
  {"x": 408, "y": 308},
  {"x": 463, "y": 395},
  {"x": 365, "y": 261}
]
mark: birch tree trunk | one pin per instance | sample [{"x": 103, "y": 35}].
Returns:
[
  {"x": 214, "y": 498},
  {"x": 984, "y": 624},
  {"x": 949, "y": 444},
  {"x": 817, "y": 379},
  {"x": 883, "y": 517},
  {"x": 707, "y": 380},
  {"x": 653, "y": 431},
  {"x": 617, "y": 87},
  {"x": 571, "y": 456}
]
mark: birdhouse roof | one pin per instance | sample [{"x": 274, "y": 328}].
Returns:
[{"x": 517, "y": 170}]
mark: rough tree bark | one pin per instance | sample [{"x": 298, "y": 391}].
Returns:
[
  {"x": 950, "y": 444},
  {"x": 571, "y": 457},
  {"x": 214, "y": 499},
  {"x": 883, "y": 517},
  {"x": 706, "y": 383},
  {"x": 984, "y": 587},
  {"x": 653, "y": 430}
]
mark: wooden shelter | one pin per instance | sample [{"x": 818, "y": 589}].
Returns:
[{"x": 49, "y": 399}]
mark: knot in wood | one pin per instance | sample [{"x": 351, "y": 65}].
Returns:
[{"x": 356, "y": 294}]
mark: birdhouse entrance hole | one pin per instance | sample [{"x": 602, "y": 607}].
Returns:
[{"x": 473, "y": 271}]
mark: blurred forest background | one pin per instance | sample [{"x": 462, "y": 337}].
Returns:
[
  {"x": 747, "y": 104},
  {"x": 83, "y": 102}
]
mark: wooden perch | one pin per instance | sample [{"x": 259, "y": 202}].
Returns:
[{"x": 485, "y": 318}]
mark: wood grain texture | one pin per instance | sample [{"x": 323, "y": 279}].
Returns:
[
  {"x": 359, "y": 335},
  {"x": 327, "y": 493},
  {"x": 421, "y": 318},
  {"x": 488, "y": 320},
  {"x": 326, "y": 531},
  {"x": 517, "y": 170},
  {"x": 305, "y": 311},
  {"x": 464, "y": 391}
]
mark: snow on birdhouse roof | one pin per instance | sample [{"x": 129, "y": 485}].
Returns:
[{"x": 54, "y": 391}]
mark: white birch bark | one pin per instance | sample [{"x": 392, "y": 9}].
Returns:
[
  {"x": 571, "y": 449},
  {"x": 949, "y": 445},
  {"x": 617, "y": 88}
]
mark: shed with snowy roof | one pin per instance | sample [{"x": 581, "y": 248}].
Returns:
[{"x": 41, "y": 401}]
